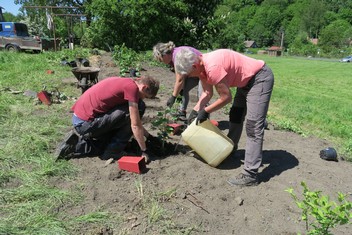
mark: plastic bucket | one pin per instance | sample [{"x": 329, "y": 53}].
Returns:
[{"x": 208, "y": 142}]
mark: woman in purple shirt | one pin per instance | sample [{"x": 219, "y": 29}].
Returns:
[{"x": 166, "y": 53}]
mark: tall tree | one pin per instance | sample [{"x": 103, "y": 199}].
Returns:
[
  {"x": 9, "y": 17},
  {"x": 313, "y": 17},
  {"x": 336, "y": 35},
  {"x": 137, "y": 23},
  {"x": 229, "y": 26},
  {"x": 63, "y": 24},
  {"x": 200, "y": 13},
  {"x": 267, "y": 23}
]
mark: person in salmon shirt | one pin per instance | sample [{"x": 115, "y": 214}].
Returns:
[{"x": 254, "y": 80}]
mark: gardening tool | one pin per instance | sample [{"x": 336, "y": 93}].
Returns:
[{"x": 86, "y": 76}]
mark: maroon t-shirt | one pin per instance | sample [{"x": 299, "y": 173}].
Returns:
[{"x": 104, "y": 96}]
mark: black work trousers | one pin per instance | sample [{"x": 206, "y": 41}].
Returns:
[{"x": 110, "y": 131}]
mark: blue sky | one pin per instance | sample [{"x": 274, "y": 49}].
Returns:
[{"x": 9, "y": 6}]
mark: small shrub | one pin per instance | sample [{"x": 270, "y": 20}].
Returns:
[
  {"x": 327, "y": 214},
  {"x": 162, "y": 120},
  {"x": 160, "y": 124},
  {"x": 126, "y": 59}
]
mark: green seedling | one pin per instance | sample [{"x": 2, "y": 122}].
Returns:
[
  {"x": 163, "y": 118},
  {"x": 126, "y": 59},
  {"x": 327, "y": 214},
  {"x": 160, "y": 123}
]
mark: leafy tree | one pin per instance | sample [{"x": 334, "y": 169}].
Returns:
[
  {"x": 345, "y": 13},
  {"x": 291, "y": 23},
  {"x": 302, "y": 46},
  {"x": 200, "y": 12},
  {"x": 9, "y": 17},
  {"x": 138, "y": 23},
  {"x": 336, "y": 35},
  {"x": 216, "y": 26},
  {"x": 229, "y": 26},
  {"x": 313, "y": 18},
  {"x": 265, "y": 24},
  {"x": 64, "y": 25}
]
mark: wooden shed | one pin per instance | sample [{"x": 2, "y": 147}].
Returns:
[
  {"x": 250, "y": 44},
  {"x": 274, "y": 51}
]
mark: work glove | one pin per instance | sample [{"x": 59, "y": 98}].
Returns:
[
  {"x": 154, "y": 144},
  {"x": 147, "y": 155},
  {"x": 192, "y": 116},
  {"x": 171, "y": 101},
  {"x": 202, "y": 116}
]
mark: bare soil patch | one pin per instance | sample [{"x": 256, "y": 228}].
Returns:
[{"x": 203, "y": 202}]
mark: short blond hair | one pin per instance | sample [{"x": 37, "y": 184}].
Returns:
[{"x": 161, "y": 49}]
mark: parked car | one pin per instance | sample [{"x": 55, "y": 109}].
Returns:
[
  {"x": 15, "y": 37},
  {"x": 346, "y": 59}
]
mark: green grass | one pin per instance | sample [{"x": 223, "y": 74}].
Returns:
[
  {"x": 309, "y": 97},
  {"x": 29, "y": 133},
  {"x": 313, "y": 97}
]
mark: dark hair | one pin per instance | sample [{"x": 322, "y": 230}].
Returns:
[{"x": 152, "y": 83}]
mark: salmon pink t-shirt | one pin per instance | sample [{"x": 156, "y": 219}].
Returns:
[
  {"x": 104, "y": 96},
  {"x": 230, "y": 66}
]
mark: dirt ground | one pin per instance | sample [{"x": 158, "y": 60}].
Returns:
[{"x": 204, "y": 203}]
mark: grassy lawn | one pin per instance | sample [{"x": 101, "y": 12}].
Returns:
[
  {"x": 310, "y": 97},
  {"x": 29, "y": 133},
  {"x": 313, "y": 97}
]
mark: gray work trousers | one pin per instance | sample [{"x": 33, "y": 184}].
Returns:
[
  {"x": 189, "y": 84},
  {"x": 252, "y": 102}
]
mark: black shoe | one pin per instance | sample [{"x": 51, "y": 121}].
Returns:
[
  {"x": 243, "y": 180},
  {"x": 67, "y": 147},
  {"x": 235, "y": 148},
  {"x": 181, "y": 115},
  {"x": 112, "y": 154}
]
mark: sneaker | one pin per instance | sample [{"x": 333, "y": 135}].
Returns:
[
  {"x": 243, "y": 180},
  {"x": 67, "y": 146}
]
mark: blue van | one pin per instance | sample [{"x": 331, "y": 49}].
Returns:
[
  {"x": 15, "y": 37},
  {"x": 11, "y": 29}
]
